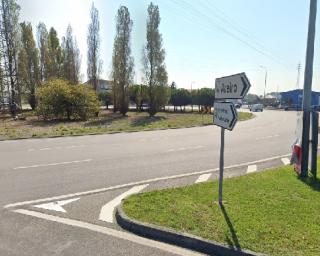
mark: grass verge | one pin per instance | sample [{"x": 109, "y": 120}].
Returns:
[
  {"x": 272, "y": 212},
  {"x": 107, "y": 122}
]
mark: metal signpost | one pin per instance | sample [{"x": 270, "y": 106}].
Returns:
[{"x": 225, "y": 114}]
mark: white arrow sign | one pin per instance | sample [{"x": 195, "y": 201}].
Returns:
[
  {"x": 232, "y": 87},
  {"x": 225, "y": 115},
  {"x": 56, "y": 206}
]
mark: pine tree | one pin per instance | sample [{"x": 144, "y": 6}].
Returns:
[
  {"x": 122, "y": 63},
  {"x": 155, "y": 69}
]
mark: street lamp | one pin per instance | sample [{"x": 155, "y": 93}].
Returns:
[
  {"x": 265, "y": 80},
  {"x": 192, "y": 97}
]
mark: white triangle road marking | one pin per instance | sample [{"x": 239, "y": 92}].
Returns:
[
  {"x": 106, "y": 213},
  {"x": 56, "y": 206}
]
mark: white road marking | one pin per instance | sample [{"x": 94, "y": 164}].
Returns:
[
  {"x": 56, "y": 206},
  {"x": 268, "y": 137},
  {"x": 55, "y": 148},
  {"x": 285, "y": 161},
  {"x": 52, "y": 164},
  {"x": 106, "y": 213},
  {"x": 101, "y": 190},
  {"x": 185, "y": 148},
  {"x": 203, "y": 178},
  {"x": 110, "y": 232},
  {"x": 252, "y": 168}
]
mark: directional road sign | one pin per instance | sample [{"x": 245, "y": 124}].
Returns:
[
  {"x": 232, "y": 87},
  {"x": 225, "y": 115}
]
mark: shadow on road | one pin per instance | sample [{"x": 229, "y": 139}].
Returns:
[{"x": 233, "y": 241}]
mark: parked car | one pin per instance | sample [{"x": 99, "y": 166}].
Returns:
[{"x": 256, "y": 108}]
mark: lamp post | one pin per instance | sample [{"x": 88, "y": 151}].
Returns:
[{"x": 265, "y": 80}]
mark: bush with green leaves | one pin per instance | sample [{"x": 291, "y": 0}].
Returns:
[{"x": 58, "y": 99}]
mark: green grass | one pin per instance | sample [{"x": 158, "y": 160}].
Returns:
[
  {"x": 271, "y": 212},
  {"x": 107, "y": 122}
]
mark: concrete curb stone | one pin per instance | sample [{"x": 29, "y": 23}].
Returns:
[{"x": 177, "y": 238}]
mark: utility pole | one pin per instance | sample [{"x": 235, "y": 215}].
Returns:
[{"x": 307, "y": 88}]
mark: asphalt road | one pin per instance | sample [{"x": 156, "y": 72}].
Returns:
[{"x": 40, "y": 168}]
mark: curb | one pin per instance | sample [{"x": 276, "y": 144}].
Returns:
[{"x": 176, "y": 238}]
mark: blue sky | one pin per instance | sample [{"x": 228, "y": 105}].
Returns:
[{"x": 204, "y": 39}]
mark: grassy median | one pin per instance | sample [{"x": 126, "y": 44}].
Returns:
[
  {"x": 272, "y": 212},
  {"x": 106, "y": 122}
]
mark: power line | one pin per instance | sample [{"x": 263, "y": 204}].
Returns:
[{"x": 191, "y": 10}]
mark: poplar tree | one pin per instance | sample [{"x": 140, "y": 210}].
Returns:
[
  {"x": 93, "y": 41},
  {"x": 55, "y": 69},
  {"x": 154, "y": 65},
  {"x": 9, "y": 46},
  {"x": 122, "y": 63},
  {"x": 28, "y": 64},
  {"x": 72, "y": 61},
  {"x": 43, "y": 38}
]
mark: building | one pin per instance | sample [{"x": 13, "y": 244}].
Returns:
[
  {"x": 103, "y": 85},
  {"x": 294, "y": 98}
]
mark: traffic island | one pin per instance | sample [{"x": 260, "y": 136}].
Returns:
[{"x": 273, "y": 212}]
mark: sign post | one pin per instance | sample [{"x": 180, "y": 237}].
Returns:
[{"x": 225, "y": 114}]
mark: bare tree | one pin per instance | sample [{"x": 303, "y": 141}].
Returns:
[
  {"x": 9, "y": 45},
  {"x": 122, "y": 63},
  {"x": 154, "y": 56},
  {"x": 93, "y": 41}
]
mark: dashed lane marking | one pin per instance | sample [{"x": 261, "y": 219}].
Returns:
[
  {"x": 52, "y": 164},
  {"x": 252, "y": 168},
  {"x": 203, "y": 178},
  {"x": 106, "y": 213},
  {"x": 110, "y": 232}
]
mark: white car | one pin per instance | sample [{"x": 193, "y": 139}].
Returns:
[{"x": 256, "y": 108}]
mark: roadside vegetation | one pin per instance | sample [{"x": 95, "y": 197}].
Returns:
[
  {"x": 107, "y": 122},
  {"x": 272, "y": 212},
  {"x": 44, "y": 72}
]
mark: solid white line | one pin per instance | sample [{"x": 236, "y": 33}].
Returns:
[
  {"x": 252, "y": 168},
  {"x": 101, "y": 190},
  {"x": 53, "y": 164},
  {"x": 110, "y": 232},
  {"x": 106, "y": 213},
  {"x": 203, "y": 178},
  {"x": 285, "y": 161}
]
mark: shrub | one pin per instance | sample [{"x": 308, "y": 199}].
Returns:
[{"x": 58, "y": 99}]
